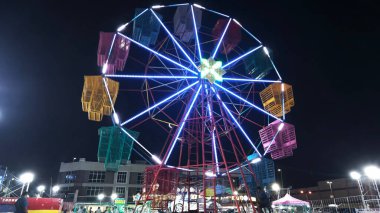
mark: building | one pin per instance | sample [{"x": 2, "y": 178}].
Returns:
[
  {"x": 336, "y": 188},
  {"x": 83, "y": 180},
  {"x": 265, "y": 175}
]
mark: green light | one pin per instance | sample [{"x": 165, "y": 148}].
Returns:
[{"x": 211, "y": 70}]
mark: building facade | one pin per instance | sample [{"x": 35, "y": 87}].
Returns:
[
  {"x": 83, "y": 181},
  {"x": 336, "y": 188}
]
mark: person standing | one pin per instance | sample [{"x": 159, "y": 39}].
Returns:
[
  {"x": 22, "y": 203},
  {"x": 98, "y": 210},
  {"x": 262, "y": 200}
]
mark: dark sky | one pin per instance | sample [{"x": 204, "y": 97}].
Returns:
[{"x": 328, "y": 51}]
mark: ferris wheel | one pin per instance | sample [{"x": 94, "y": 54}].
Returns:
[{"x": 201, "y": 89}]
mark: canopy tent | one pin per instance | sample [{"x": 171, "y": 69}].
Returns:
[{"x": 288, "y": 200}]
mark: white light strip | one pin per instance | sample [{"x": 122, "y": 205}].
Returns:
[
  {"x": 199, "y": 6},
  {"x": 247, "y": 102},
  {"x": 240, "y": 57},
  {"x": 213, "y": 136},
  {"x": 138, "y": 143},
  {"x": 182, "y": 124},
  {"x": 152, "y": 76},
  {"x": 159, "y": 103},
  {"x": 221, "y": 38},
  {"x": 196, "y": 33},
  {"x": 213, "y": 11},
  {"x": 108, "y": 94},
  {"x": 249, "y": 33},
  {"x": 251, "y": 80},
  {"x": 174, "y": 40},
  {"x": 157, "y": 6},
  {"x": 159, "y": 54},
  {"x": 274, "y": 137},
  {"x": 122, "y": 27},
  {"x": 236, "y": 122},
  {"x": 156, "y": 159}
]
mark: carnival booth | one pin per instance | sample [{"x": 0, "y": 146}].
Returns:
[{"x": 290, "y": 204}]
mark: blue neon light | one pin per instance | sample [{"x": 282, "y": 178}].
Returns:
[
  {"x": 196, "y": 33},
  {"x": 271, "y": 142},
  {"x": 235, "y": 121},
  {"x": 221, "y": 38},
  {"x": 159, "y": 54},
  {"x": 159, "y": 103},
  {"x": 247, "y": 102},
  {"x": 251, "y": 80},
  {"x": 213, "y": 137},
  {"x": 152, "y": 76},
  {"x": 242, "y": 56},
  {"x": 175, "y": 41},
  {"x": 182, "y": 124}
]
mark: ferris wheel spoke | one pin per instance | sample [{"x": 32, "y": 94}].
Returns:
[
  {"x": 235, "y": 121},
  {"x": 174, "y": 40},
  {"x": 212, "y": 131},
  {"x": 182, "y": 123},
  {"x": 122, "y": 27},
  {"x": 241, "y": 57},
  {"x": 252, "y": 80},
  {"x": 274, "y": 137},
  {"x": 247, "y": 102},
  {"x": 196, "y": 33},
  {"x": 152, "y": 76},
  {"x": 221, "y": 38},
  {"x": 249, "y": 33},
  {"x": 158, "y": 54},
  {"x": 137, "y": 142},
  {"x": 159, "y": 103}
]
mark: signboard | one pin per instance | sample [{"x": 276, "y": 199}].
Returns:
[{"x": 120, "y": 201}]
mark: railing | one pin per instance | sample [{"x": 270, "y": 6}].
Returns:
[{"x": 367, "y": 203}]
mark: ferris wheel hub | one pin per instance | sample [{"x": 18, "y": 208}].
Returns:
[{"x": 211, "y": 70}]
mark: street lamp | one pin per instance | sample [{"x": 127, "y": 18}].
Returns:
[
  {"x": 100, "y": 198},
  {"x": 276, "y": 188},
  {"x": 331, "y": 192},
  {"x": 26, "y": 178},
  {"x": 373, "y": 173},
  {"x": 356, "y": 176},
  {"x": 113, "y": 196},
  {"x": 55, "y": 189},
  {"x": 282, "y": 183},
  {"x": 41, "y": 189}
]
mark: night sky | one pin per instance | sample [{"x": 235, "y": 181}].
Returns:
[{"x": 328, "y": 51}]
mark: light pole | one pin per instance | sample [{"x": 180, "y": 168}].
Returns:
[
  {"x": 282, "y": 183},
  {"x": 331, "y": 192},
  {"x": 26, "y": 178},
  {"x": 356, "y": 176},
  {"x": 373, "y": 173},
  {"x": 332, "y": 195}
]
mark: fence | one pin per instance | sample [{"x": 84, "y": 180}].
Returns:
[{"x": 367, "y": 203}]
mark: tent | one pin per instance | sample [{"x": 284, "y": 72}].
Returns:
[
  {"x": 291, "y": 204},
  {"x": 288, "y": 200}
]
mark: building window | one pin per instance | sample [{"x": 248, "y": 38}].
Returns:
[
  {"x": 140, "y": 178},
  {"x": 122, "y": 177},
  {"x": 120, "y": 191},
  {"x": 70, "y": 177},
  {"x": 94, "y": 190},
  {"x": 96, "y": 177}
]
